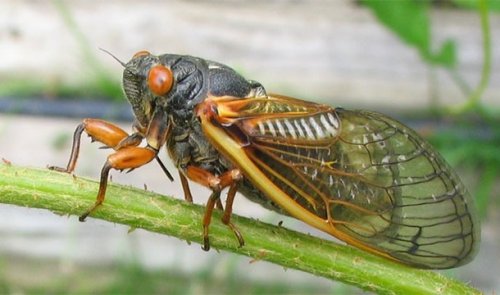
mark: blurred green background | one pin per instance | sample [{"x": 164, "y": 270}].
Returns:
[{"x": 435, "y": 65}]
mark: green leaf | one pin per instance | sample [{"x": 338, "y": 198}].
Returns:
[
  {"x": 446, "y": 56},
  {"x": 409, "y": 20}
]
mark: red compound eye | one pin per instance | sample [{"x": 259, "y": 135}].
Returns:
[{"x": 160, "y": 79}]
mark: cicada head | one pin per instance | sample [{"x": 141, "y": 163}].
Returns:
[
  {"x": 172, "y": 82},
  {"x": 147, "y": 83}
]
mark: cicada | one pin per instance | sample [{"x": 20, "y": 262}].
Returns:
[{"x": 357, "y": 175}]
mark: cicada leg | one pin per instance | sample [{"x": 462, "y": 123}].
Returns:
[
  {"x": 107, "y": 133},
  {"x": 219, "y": 205},
  {"x": 226, "y": 217},
  {"x": 185, "y": 187},
  {"x": 207, "y": 218},
  {"x": 217, "y": 184},
  {"x": 187, "y": 191},
  {"x": 127, "y": 156}
]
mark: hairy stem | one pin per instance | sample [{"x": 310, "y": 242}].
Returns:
[{"x": 66, "y": 194}]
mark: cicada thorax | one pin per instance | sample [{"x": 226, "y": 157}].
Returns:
[{"x": 192, "y": 79}]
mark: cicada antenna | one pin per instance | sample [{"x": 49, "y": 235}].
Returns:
[{"x": 113, "y": 56}]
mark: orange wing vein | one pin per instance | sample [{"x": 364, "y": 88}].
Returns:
[{"x": 360, "y": 176}]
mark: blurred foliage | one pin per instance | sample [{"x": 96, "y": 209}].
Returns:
[
  {"x": 100, "y": 84},
  {"x": 65, "y": 277},
  {"x": 409, "y": 20},
  {"x": 103, "y": 81},
  {"x": 475, "y": 148},
  {"x": 21, "y": 87},
  {"x": 494, "y": 5}
]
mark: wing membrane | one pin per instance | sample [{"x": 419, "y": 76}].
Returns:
[{"x": 370, "y": 177}]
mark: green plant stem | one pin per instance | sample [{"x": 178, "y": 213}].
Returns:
[
  {"x": 474, "y": 99},
  {"x": 70, "y": 195}
]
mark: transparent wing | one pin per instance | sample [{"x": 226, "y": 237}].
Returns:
[{"x": 369, "y": 176}]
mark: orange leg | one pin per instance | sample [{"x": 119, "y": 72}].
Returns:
[
  {"x": 203, "y": 177},
  {"x": 209, "y": 208},
  {"x": 185, "y": 187},
  {"x": 127, "y": 155},
  {"x": 217, "y": 183},
  {"x": 219, "y": 205},
  {"x": 210, "y": 180},
  {"x": 226, "y": 217},
  {"x": 108, "y": 134},
  {"x": 125, "y": 158}
]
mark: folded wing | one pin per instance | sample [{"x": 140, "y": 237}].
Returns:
[{"x": 371, "y": 178}]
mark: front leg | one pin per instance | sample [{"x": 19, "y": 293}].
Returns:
[
  {"x": 131, "y": 157},
  {"x": 102, "y": 131},
  {"x": 110, "y": 135},
  {"x": 125, "y": 158},
  {"x": 128, "y": 155}
]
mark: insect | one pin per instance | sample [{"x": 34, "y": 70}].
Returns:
[{"x": 358, "y": 175}]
